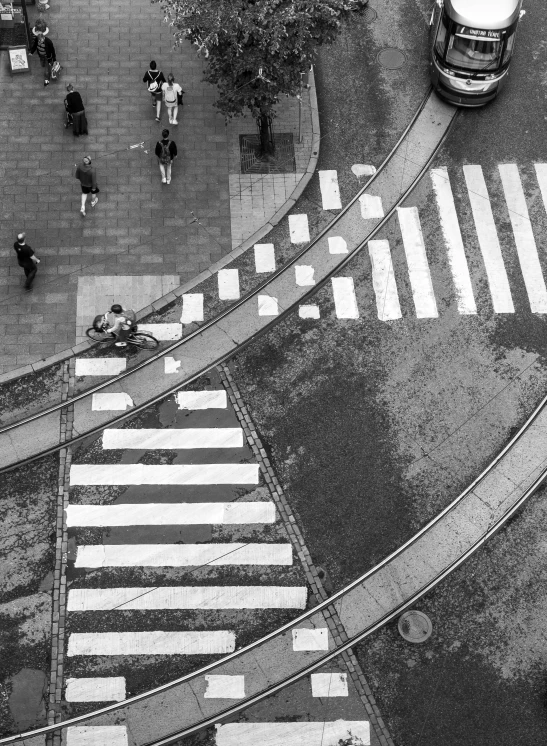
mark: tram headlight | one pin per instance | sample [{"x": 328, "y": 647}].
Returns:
[
  {"x": 490, "y": 77},
  {"x": 449, "y": 72}
]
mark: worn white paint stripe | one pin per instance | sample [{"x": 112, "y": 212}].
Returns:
[
  {"x": 345, "y": 301},
  {"x": 97, "y": 689},
  {"x": 191, "y": 437},
  {"x": 310, "y": 639},
  {"x": 170, "y": 514},
  {"x": 330, "y": 192},
  {"x": 371, "y": 206},
  {"x": 362, "y": 169},
  {"x": 171, "y": 365},
  {"x": 383, "y": 281},
  {"x": 308, "y": 312},
  {"x": 162, "y": 332},
  {"x": 182, "y": 555},
  {"x": 228, "y": 284},
  {"x": 298, "y": 228},
  {"x": 186, "y": 597},
  {"x": 524, "y": 237},
  {"x": 541, "y": 175},
  {"x": 192, "y": 308},
  {"x": 267, "y": 306},
  {"x": 122, "y": 474},
  {"x": 111, "y": 402},
  {"x": 100, "y": 366},
  {"x": 453, "y": 240},
  {"x": 488, "y": 240},
  {"x": 301, "y": 733},
  {"x": 264, "y": 257},
  {"x": 416, "y": 258},
  {"x": 202, "y": 399},
  {"x": 151, "y": 643},
  {"x": 303, "y": 275},
  {"x": 329, "y": 685},
  {"x": 224, "y": 687},
  {"x": 96, "y": 735},
  {"x": 337, "y": 245}
]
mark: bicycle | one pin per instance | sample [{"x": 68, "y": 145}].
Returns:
[{"x": 138, "y": 339}]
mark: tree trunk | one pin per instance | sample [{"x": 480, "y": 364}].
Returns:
[{"x": 267, "y": 145}]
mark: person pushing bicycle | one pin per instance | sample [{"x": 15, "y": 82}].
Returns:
[{"x": 121, "y": 322}]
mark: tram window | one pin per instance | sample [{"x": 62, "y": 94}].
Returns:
[
  {"x": 509, "y": 47},
  {"x": 440, "y": 40},
  {"x": 472, "y": 53}
]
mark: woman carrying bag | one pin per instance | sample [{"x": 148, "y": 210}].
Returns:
[{"x": 172, "y": 97}]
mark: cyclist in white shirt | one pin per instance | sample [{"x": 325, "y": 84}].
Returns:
[{"x": 120, "y": 321}]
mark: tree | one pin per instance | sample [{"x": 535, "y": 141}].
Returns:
[{"x": 256, "y": 50}]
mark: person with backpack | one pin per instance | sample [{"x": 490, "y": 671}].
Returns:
[
  {"x": 172, "y": 96},
  {"x": 166, "y": 152},
  {"x": 154, "y": 80}
]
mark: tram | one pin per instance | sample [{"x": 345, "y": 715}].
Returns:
[{"x": 471, "y": 48}]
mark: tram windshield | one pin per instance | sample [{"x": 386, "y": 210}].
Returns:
[{"x": 466, "y": 48}]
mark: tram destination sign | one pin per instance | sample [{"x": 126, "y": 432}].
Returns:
[{"x": 477, "y": 33}]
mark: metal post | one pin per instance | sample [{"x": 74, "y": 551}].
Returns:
[{"x": 300, "y": 113}]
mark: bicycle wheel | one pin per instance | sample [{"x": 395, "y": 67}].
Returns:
[
  {"x": 143, "y": 340},
  {"x": 100, "y": 336}
]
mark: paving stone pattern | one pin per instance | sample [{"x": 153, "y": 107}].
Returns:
[{"x": 139, "y": 227}]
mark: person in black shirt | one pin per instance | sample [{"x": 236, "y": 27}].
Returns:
[
  {"x": 154, "y": 80},
  {"x": 75, "y": 108},
  {"x": 26, "y": 259},
  {"x": 166, "y": 152}
]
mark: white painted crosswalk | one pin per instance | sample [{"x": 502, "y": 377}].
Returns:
[{"x": 170, "y": 514}]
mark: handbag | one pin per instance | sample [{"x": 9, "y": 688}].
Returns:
[
  {"x": 179, "y": 98},
  {"x": 55, "y": 69}
]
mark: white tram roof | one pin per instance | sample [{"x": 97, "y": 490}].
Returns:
[{"x": 484, "y": 14}]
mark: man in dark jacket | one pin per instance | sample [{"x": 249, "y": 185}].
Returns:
[
  {"x": 46, "y": 51},
  {"x": 27, "y": 259},
  {"x": 154, "y": 80},
  {"x": 87, "y": 176},
  {"x": 166, "y": 152},
  {"x": 75, "y": 107}
]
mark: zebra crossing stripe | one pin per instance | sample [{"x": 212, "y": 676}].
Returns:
[
  {"x": 182, "y": 555},
  {"x": 96, "y": 689},
  {"x": 488, "y": 240},
  {"x": 308, "y": 312},
  {"x": 298, "y": 733},
  {"x": 345, "y": 301},
  {"x": 267, "y": 306},
  {"x": 191, "y": 437},
  {"x": 330, "y": 192},
  {"x": 337, "y": 245},
  {"x": 298, "y": 228},
  {"x": 264, "y": 257},
  {"x": 524, "y": 237},
  {"x": 310, "y": 639},
  {"x": 187, "y": 598},
  {"x": 202, "y": 399},
  {"x": 541, "y": 176},
  {"x": 383, "y": 281},
  {"x": 96, "y": 735},
  {"x": 126, "y": 474},
  {"x": 192, "y": 308},
  {"x": 193, "y": 642},
  {"x": 329, "y": 685},
  {"x": 371, "y": 206},
  {"x": 224, "y": 687},
  {"x": 162, "y": 332},
  {"x": 111, "y": 402},
  {"x": 228, "y": 284},
  {"x": 418, "y": 268},
  {"x": 303, "y": 275},
  {"x": 171, "y": 365},
  {"x": 170, "y": 514},
  {"x": 453, "y": 240},
  {"x": 99, "y": 366}
]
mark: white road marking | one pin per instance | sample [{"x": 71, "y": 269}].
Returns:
[
  {"x": 111, "y": 402},
  {"x": 97, "y": 689},
  {"x": 303, "y": 275},
  {"x": 264, "y": 257},
  {"x": 337, "y": 245},
  {"x": 125, "y": 474},
  {"x": 371, "y": 206},
  {"x": 310, "y": 639},
  {"x": 345, "y": 301},
  {"x": 172, "y": 365},
  {"x": 162, "y": 332},
  {"x": 182, "y": 555},
  {"x": 329, "y": 685},
  {"x": 166, "y": 514},
  {"x": 361, "y": 169},
  {"x": 151, "y": 643},
  {"x": 191, "y": 437},
  {"x": 308, "y": 312},
  {"x": 488, "y": 240},
  {"x": 418, "y": 268},
  {"x": 383, "y": 281},
  {"x": 192, "y": 308},
  {"x": 267, "y": 306},
  {"x": 298, "y": 228},
  {"x": 228, "y": 284},
  {"x": 330, "y": 192},
  {"x": 100, "y": 366},
  {"x": 299, "y": 733},
  {"x": 202, "y": 399},
  {"x": 524, "y": 237},
  {"x": 187, "y": 597},
  {"x": 96, "y": 735},
  {"x": 224, "y": 687},
  {"x": 454, "y": 242},
  {"x": 541, "y": 175}
]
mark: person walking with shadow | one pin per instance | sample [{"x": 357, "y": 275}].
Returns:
[
  {"x": 154, "y": 80},
  {"x": 27, "y": 259},
  {"x": 75, "y": 108},
  {"x": 87, "y": 176},
  {"x": 166, "y": 152},
  {"x": 45, "y": 48}
]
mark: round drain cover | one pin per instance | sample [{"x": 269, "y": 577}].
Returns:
[
  {"x": 415, "y": 626},
  {"x": 370, "y": 15},
  {"x": 391, "y": 58}
]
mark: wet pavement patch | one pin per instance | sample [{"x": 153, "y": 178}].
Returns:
[{"x": 27, "y": 698}]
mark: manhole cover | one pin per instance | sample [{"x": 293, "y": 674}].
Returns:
[
  {"x": 391, "y": 58},
  {"x": 370, "y": 15},
  {"x": 282, "y": 160},
  {"x": 415, "y": 626}
]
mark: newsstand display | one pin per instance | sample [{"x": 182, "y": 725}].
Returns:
[{"x": 13, "y": 30}]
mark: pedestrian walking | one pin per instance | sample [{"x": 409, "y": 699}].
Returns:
[
  {"x": 27, "y": 259},
  {"x": 154, "y": 80},
  {"x": 172, "y": 96},
  {"x": 75, "y": 108},
  {"x": 45, "y": 48},
  {"x": 166, "y": 151},
  {"x": 87, "y": 176}
]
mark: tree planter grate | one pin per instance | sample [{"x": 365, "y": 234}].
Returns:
[{"x": 281, "y": 162}]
